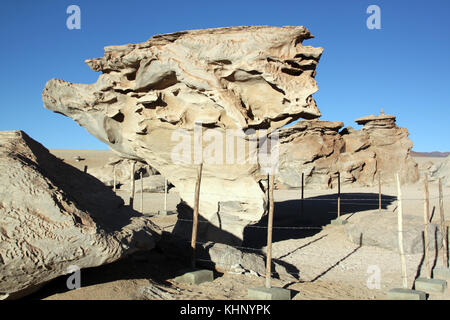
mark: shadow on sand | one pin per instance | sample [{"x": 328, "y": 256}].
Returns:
[{"x": 289, "y": 218}]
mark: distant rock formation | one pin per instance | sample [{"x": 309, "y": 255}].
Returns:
[
  {"x": 443, "y": 171},
  {"x": 320, "y": 151},
  {"x": 53, "y": 216},
  {"x": 380, "y": 230},
  {"x": 239, "y": 78},
  {"x": 433, "y": 154}
]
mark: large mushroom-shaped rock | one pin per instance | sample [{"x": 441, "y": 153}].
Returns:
[
  {"x": 233, "y": 81},
  {"x": 53, "y": 216}
]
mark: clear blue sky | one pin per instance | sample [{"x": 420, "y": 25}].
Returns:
[{"x": 403, "y": 68}]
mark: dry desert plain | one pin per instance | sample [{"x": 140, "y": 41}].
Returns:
[{"x": 325, "y": 264}]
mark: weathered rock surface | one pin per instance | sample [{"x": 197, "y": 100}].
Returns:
[
  {"x": 320, "y": 151},
  {"x": 53, "y": 216},
  {"x": 380, "y": 230},
  {"x": 228, "y": 78},
  {"x": 428, "y": 168}
]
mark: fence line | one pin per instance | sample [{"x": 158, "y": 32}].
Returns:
[
  {"x": 375, "y": 198},
  {"x": 262, "y": 227},
  {"x": 276, "y": 227}
]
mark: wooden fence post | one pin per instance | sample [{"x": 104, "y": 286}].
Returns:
[
  {"x": 400, "y": 233},
  {"x": 269, "y": 234},
  {"x": 142, "y": 192},
  {"x": 443, "y": 225},
  {"x": 195, "y": 214},
  {"x": 426, "y": 220},
  {"x": 132, "y": 184},
  {"x": 339, "y": 195},
  {"x": 379, "y": 191}
]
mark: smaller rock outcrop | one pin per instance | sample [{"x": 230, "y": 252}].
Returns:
[
  {"x": 150, "y": 98},
  {"x": 320, "y": 150},
  {"x": 312, "y": 147}
]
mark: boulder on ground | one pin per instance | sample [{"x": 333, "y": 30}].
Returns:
[
  {"x": 53, "y": 216},
  {"x": 225, "y": 258},
  {"x": 232, "y": 84}
]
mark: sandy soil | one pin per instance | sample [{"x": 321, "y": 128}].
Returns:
[
  {"x": 90, "y": 158},
  {"x": 327, "y": 265}
]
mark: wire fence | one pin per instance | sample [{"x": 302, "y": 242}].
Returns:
[
  {"x": 351, "y": 201},
  {"x": 316, "y": 197}
]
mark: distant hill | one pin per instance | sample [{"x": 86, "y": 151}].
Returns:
[{"x": 434, "y": 154}]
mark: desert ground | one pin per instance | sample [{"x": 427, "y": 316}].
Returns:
[{"x": 324, "y": 263}]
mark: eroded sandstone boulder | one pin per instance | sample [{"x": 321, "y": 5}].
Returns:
[
  {"x": 380, "y": 230},
  {"x": 320, "y": 149},
  {"x": 52, "y": 216},
  {"x": 149, "y": 97}
]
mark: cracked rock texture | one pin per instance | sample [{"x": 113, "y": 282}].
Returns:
[
  {"x": 239, "y": 78},
  {"x": 53, "y": 216},
  {"x": 320, "y": 150}
]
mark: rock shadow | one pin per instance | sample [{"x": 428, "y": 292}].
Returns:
[
  {"x": 294, "y": 220},
  {"x": 143, "y": 265},
  {"x": 87, "y": 192}
]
